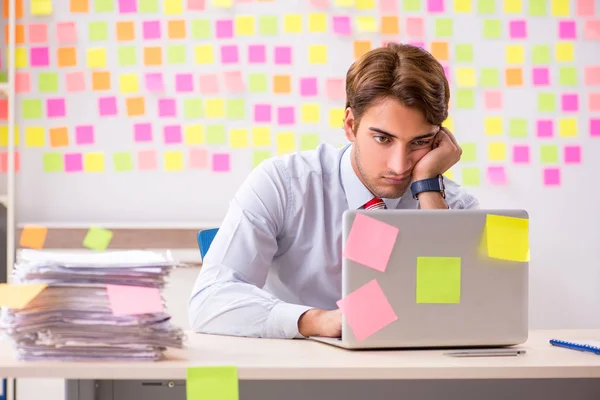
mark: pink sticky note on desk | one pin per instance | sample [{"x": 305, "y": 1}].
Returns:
[
  {"x": 496, "y": 175},
  {"x": 341, "y": 25},
  {"x": 551, "y": 176},
  {"x": 367, "y": 310},
  {"x": 133, "y": 300},
  {"x": 370, "y": 242}
]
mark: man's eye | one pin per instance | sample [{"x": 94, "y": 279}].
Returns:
[
  {"x": 382, "y": 139},
  {"x": 420, "y": 143}
]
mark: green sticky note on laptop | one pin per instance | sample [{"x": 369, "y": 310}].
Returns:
[
  {"x": 438, "y": 280},
  {"x": 212, "y": 383}
]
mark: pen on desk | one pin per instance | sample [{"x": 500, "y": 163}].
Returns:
[{"x": 486, "y": 353}]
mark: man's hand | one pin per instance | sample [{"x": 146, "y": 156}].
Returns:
[
  {"x": 444, "y": 154},
  {"x": 317, "y": 322}
]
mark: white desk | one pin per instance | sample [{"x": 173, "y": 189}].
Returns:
[{"x": 263, "y": 359}]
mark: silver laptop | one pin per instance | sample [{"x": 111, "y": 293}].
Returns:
[{"x": 493, "y": 306}]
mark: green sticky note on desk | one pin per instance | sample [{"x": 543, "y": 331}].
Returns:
[
  {"x": 507, "y": 238},
  {"x": 97, "y": 238},
  {"x": 438, "y": 280},
  {"x": 212, "y": 383}
]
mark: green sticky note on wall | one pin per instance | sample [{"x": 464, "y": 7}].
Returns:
[
  {"x": 537, "y": 8},
  {"x": 122, "y": 162},
  {"x": 104, "y": 6},
  {"x": 490, "y": 77},
  {"x": 4, "y": 76},
  {"x": 444, "y": 27},
  {"x": 469, "y": 153},
  {"x": 257, "y": 83},
  {"x": 540, "y": 54},
  {"x": 465, "y": 98},
  {"x": 309, "y": 141},
  {"x": 486, "y": 6},
  {"x": 463, "y": 52},
  {"x": 201, "y": 29},
  {"x": 549, "y": 154},
  {"x": 212, "y": 383},
  {"x": 259, "y": 156},
  {"x": 215, "y": 134},
  {"x": 148, "y": 6},
  {"x": 31, "y": 108},
  {"x": 267, "y": 25},
  {"x": 470, "y": 176},
  {"x": 97, "y": 238},
  {"x": 438, "y": 280},
  {"x": 411, "y": 5},
  {"x": 48, "y": 82},
  {"x": 546, "y": 102},
  {"x": 567, "y": 76},
  {"x": 176, "y": 54},
  {"x": 192, "y": 108},
  {"x": 235, "y": 109},
  {"x": 517, "y": 128},
  {"x": 492, "y": 29},
  {"x": 53, "y": 162},
  {"x": 127, "y": 56},
  {"x": 98, "y": 31}
]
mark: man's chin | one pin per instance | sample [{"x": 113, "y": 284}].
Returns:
[{"x": 393, "y": 191}]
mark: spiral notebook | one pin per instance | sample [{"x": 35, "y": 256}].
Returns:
[{"x": 591, "y": 346}]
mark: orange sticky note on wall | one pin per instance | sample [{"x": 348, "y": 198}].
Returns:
[
  {"x": 18, "y": 296},
  {"x": 33, "y": 236},
  {"x": 81, "y": 6}
]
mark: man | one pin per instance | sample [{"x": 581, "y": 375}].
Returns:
[{"x": 274, "y": 268}]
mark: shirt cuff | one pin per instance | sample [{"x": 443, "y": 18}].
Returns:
[{"x": 282, "y": 322}]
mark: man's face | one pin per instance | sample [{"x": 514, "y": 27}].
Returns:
[{"x": 389, "y": 141}]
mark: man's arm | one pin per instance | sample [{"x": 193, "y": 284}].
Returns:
[{"x": 228, "y": 297}]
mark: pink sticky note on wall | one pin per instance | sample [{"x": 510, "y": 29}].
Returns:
[
  {"x": 496, "y": 175},
  {"x": 257, "y": 54},
  {"x": 55, "y": 108},
  {"x": 224, "y": 29},
  {"x": 229, "y": 54},
  {"x": 367, "y": 310},
  {"x": 572, "y": 154},
  {"x": 283, "y": 55},
  {"x": 198, "y": 158},
  {"x": 66, "y": 32},
  {"x": 184, "y": 82},
  {"x": 541, "y": 76},
  {"x": 551, "y": 176},
  {"x": 414, "y": 27},
  {"x": 591, "y": 29},
  {"x": 39, "y": 56},
  {"x": 336, "y": 89},
  {"x": 493, "y": 100},
  {"x": 208, "y": 84},
  {"x": 521, "y": 154},
  {"x": 196, "y": 5},
  {"x": 38, "y": 33},
  {"x": 435, "y": 6},
  {"x": 585, "y": 8},
  {"x": 545, "y": 128},
  {"x": 134, "y": 300},
  {"x": 570, "y": 102},
  {"x": 262, "y": 113},
  {"x": 220, "y": 162},
  {"x": 370, "y": 242},
  {"x": 594, "y": 102},
  {"x": 567, "y": 30},
  {"x": 518, "y": 29},
  {"x": 154, "y": 82},
  {"x": 127, "y": 6},
  {"x": 285, "y": 116},
  {"x": 73, "y": 162},
  {"x": 107, "y": 106},
  {"x": 84, "y": 134},
  {"x": 233, "y": 82},
  {"x": 172, "y": 134},
  {"x": 167, "y": 108},
  {"x": 308, "y": 87},
  {"x": 341, "y": 25},
  {"x": 322, "y": 4},
  {"x": 75, "y": 81},
  {"x": 3, "y": 109},
  {"x": 151, "y": 29},
  {"x": 592, "y": 76},
  {"x": 595, "y": 127},
  {"x": 22, "y": 82},
  {"x": 388, "y": 6},
  {"x": 146, "y": 160},
  {"x": 142, "y": 132}
]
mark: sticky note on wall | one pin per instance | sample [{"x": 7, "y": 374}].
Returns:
[
  {"x": 97, "y": 238},
  {"x": 506, "y": 238},
  {"x": 212, "y": 383}
]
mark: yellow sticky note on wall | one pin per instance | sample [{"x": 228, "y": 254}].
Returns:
[
  {"x": 205, "y": 54},
  {"x": 261, "y": 136},
  {"x": 292, "y": 23},
  {"x": 286, "y": 143},
  {"x": 238, "y": 138},
  {"x": 34, "y": 136},
  {"x": 93, "y": 162},
  {"x": 173, "y": 7},
  {"x": 513, "y": 6},
  {"x": 365, "y": 4},
  {"x": 565, "y": 51},
  {"x": 317, "y": 54},
  {"x": 128, "y": 83},
  {"x": 194, "y": 134},
  {"x": 311, "y": 113},
  {"x": 244, "y": 25},
  {"x": 173, "y": 161},
  {"x": 336, "y": 117},
  {"x": 366, "y": 24},
  {"x": 317, "y": 23},
  {"x": 497, "y": 151},
  {"x": 506, "y": 238},
  {"x": 494, "y": 126},
  {"x": 560, "y": 8},
  {"x": 41, "y": 7},
  {"x": 4, "y": 136},
  {"x": 18, "y": 296},
  {"x": 215, "y": 108},
  {"x": 465, "y": 77},
  {"x": 96, "y": 58}
]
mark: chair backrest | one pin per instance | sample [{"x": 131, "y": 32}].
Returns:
[{"x": 205, "y": 238}]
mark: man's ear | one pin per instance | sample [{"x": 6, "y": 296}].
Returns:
[{"x": 349, "y": 122}]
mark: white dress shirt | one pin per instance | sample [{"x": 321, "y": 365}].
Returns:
[{"x": 278, "y": 251}]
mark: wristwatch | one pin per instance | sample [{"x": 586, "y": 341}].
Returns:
[{"x": 428, "y": 185}]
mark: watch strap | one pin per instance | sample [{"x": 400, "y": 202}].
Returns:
[{"x": 426, "y": 185}]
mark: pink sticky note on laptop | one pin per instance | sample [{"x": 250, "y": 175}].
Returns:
[
  {"x": 370, "y": 242},
  {"x": 367, "y": 310},
  {"x": 132, "y": 300}
]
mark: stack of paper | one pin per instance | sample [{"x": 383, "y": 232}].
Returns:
[{"x": 90, "y": 306}]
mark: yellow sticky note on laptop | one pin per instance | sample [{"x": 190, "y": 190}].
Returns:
[{"x": 506, "y": 238}]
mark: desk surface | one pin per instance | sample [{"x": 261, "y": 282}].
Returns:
[{"x": 266, "y": 359}]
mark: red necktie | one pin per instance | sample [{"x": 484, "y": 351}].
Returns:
[{"x": 375, "y": 204}]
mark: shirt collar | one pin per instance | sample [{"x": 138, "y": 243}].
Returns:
[{"x": 356, "y": 193}]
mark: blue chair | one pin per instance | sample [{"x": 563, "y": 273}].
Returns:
[{"x": 205, "y": 238}]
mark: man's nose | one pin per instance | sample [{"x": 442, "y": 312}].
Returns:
[{"x": 399, "y": 163}]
